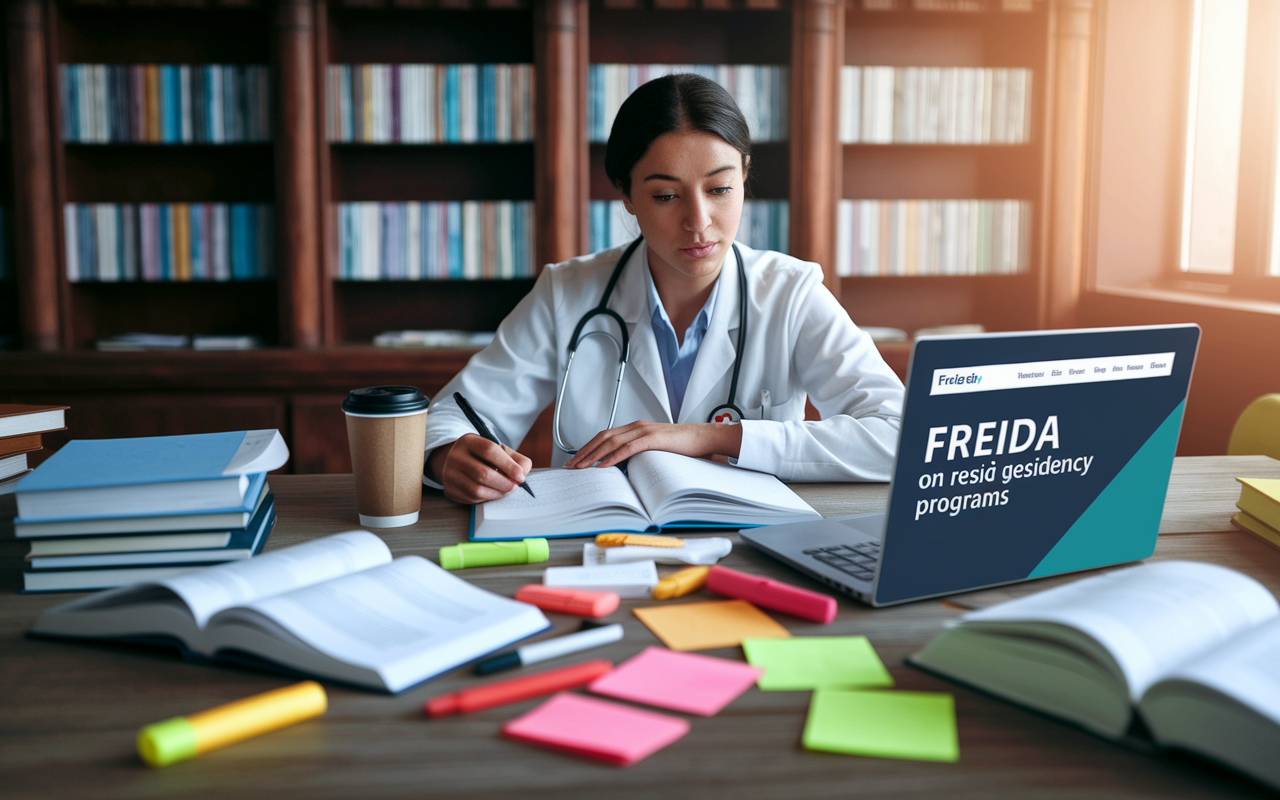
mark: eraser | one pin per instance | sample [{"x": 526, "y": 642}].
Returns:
[
  {"x": 625, "y": 580},
  {"x": 568, "y": 601}
]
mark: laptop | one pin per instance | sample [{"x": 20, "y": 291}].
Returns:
[{"x": 1021, "y": 455}]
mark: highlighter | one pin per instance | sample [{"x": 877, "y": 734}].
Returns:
[
  {"x": 681, "y": 583},
  {"x": 163, "y": 743},
  {"x": 568, "y": 601},
  {"x": 490, "y": 554},
  {"x": 772, "y": 594},
  {"x": 468, "y": 701}
]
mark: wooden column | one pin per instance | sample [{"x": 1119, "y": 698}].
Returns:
[
  {"x": 297, "y": 184},
  {"x": 1066, "y": 148},
  {"x": 816, "y": 55},
  {"x": 34, "y": 212},
  {"x": 560, "y": 148}
]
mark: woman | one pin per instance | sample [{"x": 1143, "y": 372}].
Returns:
[{"x": 678, "y": 152}]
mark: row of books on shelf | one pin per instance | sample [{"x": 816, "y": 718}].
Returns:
[
  {"x": 932, "y": 237},
  {"x": 759, "y": 90},
  {"x": 165, "y": 103},
  {"x": 935, "y": 105},
  {"x": 436, "y": 240},
  {"x": 168, "y": 241},
  {"x": 430, "y": 103},
  {"x": 109, "y": 512},
  {"x": 765, "y": 225}
]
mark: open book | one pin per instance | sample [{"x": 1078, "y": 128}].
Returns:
[
  {"x": 659, "y": 490},
  {"x": 1191, "y": 647},
  {"x": 337, "y": 607}
]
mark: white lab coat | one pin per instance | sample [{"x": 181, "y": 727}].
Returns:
[{"x": 800, "y": 344}]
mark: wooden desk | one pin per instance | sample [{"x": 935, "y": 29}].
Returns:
[{"x": 69, "y": 711}]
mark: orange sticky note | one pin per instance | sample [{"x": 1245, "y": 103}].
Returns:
[{"x": 703, "y": 626}]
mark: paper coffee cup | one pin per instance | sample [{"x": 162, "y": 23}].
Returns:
[{"x": 387, "y": 431}]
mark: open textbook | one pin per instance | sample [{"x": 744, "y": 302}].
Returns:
[
  {"x": 1191, "y": 648},
  {"x": 337, "y": 607},
  {"x": 658, "y": 491}
]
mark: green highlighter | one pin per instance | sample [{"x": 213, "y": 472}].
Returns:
[{"x": 491, "y": 554}]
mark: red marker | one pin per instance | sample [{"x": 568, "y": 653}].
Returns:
[
  {"x": 772, "y": 594},
  {"x": 468, "y": 701}
]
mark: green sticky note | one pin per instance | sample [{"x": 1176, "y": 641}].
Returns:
[
  {"x": 816, "y": 662},
  {"x": 914, "y": 725}
]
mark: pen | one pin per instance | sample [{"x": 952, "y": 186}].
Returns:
[
  {"x": 468, "y": 701},
  {"x": 552, "y": 648},
  {"x": 483, "y": 430}
]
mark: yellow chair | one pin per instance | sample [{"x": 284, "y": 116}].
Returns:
[{"x": 1257, "y": 432}]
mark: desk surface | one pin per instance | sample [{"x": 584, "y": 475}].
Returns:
[{"x": 69, "y": 711}]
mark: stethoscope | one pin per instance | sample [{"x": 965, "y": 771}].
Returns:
[{"x": 726, "y": 412}]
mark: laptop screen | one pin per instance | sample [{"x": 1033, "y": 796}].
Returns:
[{"x": 1030, "y": 454}]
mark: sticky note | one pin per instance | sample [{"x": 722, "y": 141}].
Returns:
[
  {"x": 816, "y": 662},
  {"x": 703, "y": 626},
  {"x": 585, "y": 726},
  {"x": 679, "y": 681},
  {"x": 913, "y": 725}
]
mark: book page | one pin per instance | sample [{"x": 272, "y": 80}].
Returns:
[
  {"x": 391, "y": 613},
  {"x": 566, "y": 492},
  {"x": 1150, "y": 618},
  {"x": 1243, "y": 668},
  {"x": 208, "y": 591},
  {"x": 709, "y": 490}
]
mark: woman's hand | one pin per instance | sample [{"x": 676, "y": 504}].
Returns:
[
  {"x": 697, "y": 439},
  {"x": 474, "y": 469}
]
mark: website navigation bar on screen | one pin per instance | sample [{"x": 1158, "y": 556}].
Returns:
[{"x": 1032, "y": 374}]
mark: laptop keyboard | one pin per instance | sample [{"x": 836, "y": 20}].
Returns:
[{"x": 857, "y": 561}]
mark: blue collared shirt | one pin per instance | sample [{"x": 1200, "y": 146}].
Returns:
[{"x": 678, "y": 358}]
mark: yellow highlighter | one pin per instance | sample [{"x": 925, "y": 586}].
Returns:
[
  {"x": 163, "y": 743},
  {"x": 643, "y": 540},
  {"x": 681, "y": 583}
]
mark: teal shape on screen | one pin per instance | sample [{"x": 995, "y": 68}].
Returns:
[{"x": 1116, "y": 527}]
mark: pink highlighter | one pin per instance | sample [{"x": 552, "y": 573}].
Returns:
[
  {"x": 568, "y": 601},
  {"x": 772, "y": 594}
]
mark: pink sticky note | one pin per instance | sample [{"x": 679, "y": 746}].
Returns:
[
  {"x": 594, "y": 728},
  {"x": 680, "y": 681}
]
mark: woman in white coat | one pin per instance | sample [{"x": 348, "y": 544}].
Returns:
[{"x": 678, "y": 152}]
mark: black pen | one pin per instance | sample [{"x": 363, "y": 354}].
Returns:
[{"x": 483, "y": 430}]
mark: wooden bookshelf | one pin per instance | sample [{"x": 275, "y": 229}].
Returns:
[
  {"x": 990, "y": 37},
  {"x": 318, "y": 328}
]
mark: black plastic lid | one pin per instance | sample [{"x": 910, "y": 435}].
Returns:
[{"x": 385, "y": 400}]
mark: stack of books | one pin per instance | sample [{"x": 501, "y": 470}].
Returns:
[
  {"x": 21, "y": 427},
  {"x": 112, "y": 512},
  {"x": 1259, "y": 506}
]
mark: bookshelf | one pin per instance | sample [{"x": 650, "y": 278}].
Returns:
[
  {"x": 318, "y": 327},
  {"x": 990, "y": 34}
]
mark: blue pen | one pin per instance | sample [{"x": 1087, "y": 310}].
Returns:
[{"x": 483, "y": 429}]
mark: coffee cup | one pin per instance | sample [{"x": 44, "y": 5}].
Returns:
[{"x": 387, "y": 431}]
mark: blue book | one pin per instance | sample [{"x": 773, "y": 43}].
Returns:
[
  {"x": 241, "y": 544},
  {"x": 454, "y": 217},
  {"x": 199, "y": 266},
  {"x": 488, "y": 103},
  {"x": 451, "y": 101},
  {"x": 177, "y": 523},
  {"x": 166, "y": 243},
  {"x": 150, "y": 474}
]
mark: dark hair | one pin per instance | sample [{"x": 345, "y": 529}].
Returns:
[{"x": 683, "y": 102}]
